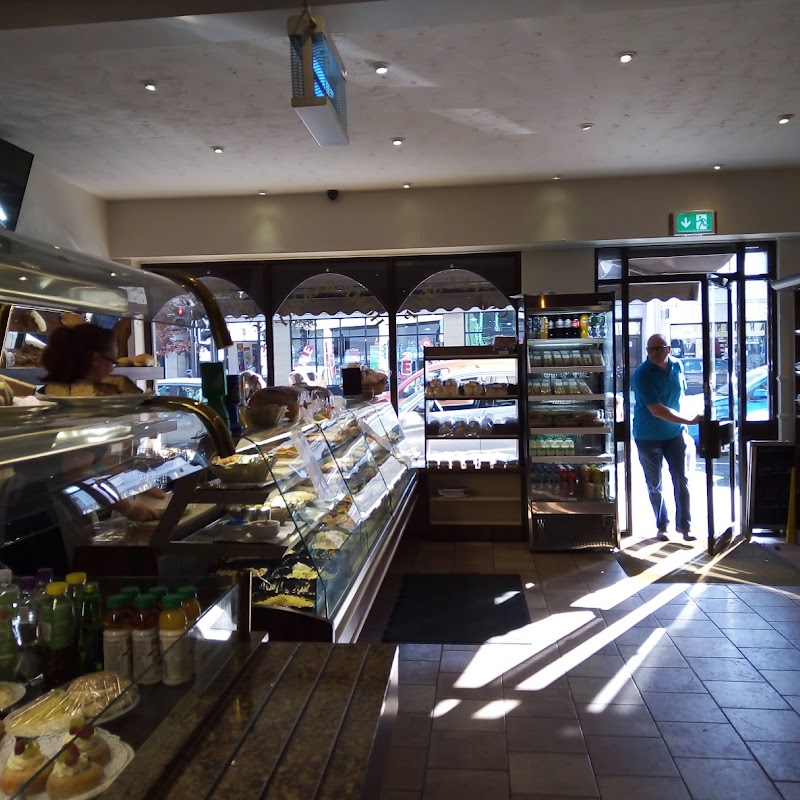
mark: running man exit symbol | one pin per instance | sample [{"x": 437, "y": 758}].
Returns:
[{"x": 693, "y": 223}]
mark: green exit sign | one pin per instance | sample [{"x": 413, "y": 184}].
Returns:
[{"x": 694, "y": 223}]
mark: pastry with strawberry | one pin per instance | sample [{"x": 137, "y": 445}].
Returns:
[
  {"x": 26, "y": 763},
  {"x": 73, "y": 774},
  {"x": 88, "y": 741}
]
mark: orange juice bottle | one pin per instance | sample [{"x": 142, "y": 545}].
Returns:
[
  {"x": 191, "y": 605},
  {"x": 172, "y": 625}
]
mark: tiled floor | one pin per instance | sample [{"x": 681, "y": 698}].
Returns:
[{"x": 620, "y": 688}]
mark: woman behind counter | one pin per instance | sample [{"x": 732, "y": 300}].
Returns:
[{"x": 86, "y": 354}]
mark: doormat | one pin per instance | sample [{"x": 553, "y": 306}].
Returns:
[
  {"x": 748, "y": 562},
  {"x": 456, "y": 609}
]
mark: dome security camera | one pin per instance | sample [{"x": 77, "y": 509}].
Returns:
[{"x": 333, "y": 194}]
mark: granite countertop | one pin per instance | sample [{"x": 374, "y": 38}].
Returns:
[{"x": 282, "y": 720}]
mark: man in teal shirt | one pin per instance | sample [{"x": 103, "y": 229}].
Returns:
[{"x": 658, "y": 430}]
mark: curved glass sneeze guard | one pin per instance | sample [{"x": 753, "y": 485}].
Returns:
[{"x": 40, "y": 275}]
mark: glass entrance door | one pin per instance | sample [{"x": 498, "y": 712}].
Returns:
[{"x": 718, "y": 437}]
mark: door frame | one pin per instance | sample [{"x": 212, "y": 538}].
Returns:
[{"x": 620, "y": 282}]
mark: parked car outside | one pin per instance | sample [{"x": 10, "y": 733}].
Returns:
[
  {"x": 693, "y": 369},
  {"x": 181, "y": 387}
]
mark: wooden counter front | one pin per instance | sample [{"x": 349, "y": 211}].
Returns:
[{"x": 282, "y": 721}]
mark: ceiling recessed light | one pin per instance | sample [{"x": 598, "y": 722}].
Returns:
[
  {"x": 587, "y": 126},
  {"x": 556, "y": 177},
  {"x": 406, "y": 185},
  {"x": 397, "y": 141},
  {"x": 381, "y": 68},
  {"x": 261, "y": 194},
  {"x": 23, "y": 278},
  {"x": 113, "y": 274},
  {"x": 217, "y": 149},
  {"x": 717, "y": 166},
  {"x": 626, "y": 57},
  {"x": 149, "y": 85},
  {"x": 785, "y": 119}
]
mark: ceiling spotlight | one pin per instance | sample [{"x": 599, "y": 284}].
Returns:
[
  {"x": 406, "y": 185},
  {"x": 717, "y": 166},
  {"x": 261, "y": 194},
  {"x": 397, "y": 141},
  {"x": 626, "y": 57},
  {"x": 785, "y": 119},
  {"x": 587, "y": 126},
  {"x": 556, "y": 177},
  {"x": 381, "y": 68},
  {"x": 217, "y": 149},
  {"x": 149, "y": 85}
]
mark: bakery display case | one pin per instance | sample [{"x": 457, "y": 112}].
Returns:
[
  {"x": 571, "y": 453},
  {"x": 471, "y": 418}
]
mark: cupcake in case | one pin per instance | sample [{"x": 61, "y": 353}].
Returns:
[
  {"x": 88, "y": 741},
  {"x": 24, "y": 763},
  {"x": 73, "y": 774}
]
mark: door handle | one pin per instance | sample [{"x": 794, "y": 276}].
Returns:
[{"x": 715, "y": 437}]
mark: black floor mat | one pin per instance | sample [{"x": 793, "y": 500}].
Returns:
[{"x": 456, "y": 609}]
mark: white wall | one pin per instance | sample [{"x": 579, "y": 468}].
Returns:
[
  {"x": 58, "y": 212},
  {"x": 458, "y": 219}
]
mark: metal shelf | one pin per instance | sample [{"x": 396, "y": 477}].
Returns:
[
  {"x": 473, "y": 397},
  {"x": 575, "y": 368},
  {"x": 565, "y": 398},
  {"x": 545, "y": 342},
  {"x": 571, "y": 459},
  {"x": 567, "y": 506},
  {"x": 571, "y": 431}
]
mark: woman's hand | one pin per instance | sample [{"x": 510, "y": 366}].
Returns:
[{"x": 138, "y": 512}]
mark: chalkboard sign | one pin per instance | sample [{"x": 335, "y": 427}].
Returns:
[{"x": 769, "y": 475}]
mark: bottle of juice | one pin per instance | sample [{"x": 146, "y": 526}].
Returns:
[
  {"x": 90, "y": 630},
  {"x": 131, "y": 593},
  {"x": 75, "y": 582},
  {"x": 9, "y": 651},
  {"x": 190, "y": 604},
  {"x": 144, "y": 640},
  {"x": 57, "y": 635},
  {"x": 172, "y": 626},
  {"x": 117, "y": 636},
  {"x": 158, "y": 592}
]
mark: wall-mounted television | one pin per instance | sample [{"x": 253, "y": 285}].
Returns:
[{"x": 15, "y": 166}]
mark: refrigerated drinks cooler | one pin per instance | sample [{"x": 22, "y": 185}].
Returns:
[{"x": 571, "y": 461}]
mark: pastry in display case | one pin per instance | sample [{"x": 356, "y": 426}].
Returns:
[{"x": 570, "y": 421}]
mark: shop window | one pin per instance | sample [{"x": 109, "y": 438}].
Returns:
[{"x": 329, "y": 321}]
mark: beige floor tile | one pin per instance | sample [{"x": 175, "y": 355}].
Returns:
[
  {"x": 456, "y": 660},
  {"x": 405, "y": 768},
  {"x": 465, "y": 784},
  {"x": 590, "y": 690},
  {"x": 416, "y": 699},
  {"x": 599, "y": 666},
  {"x": 469, "y": 715},
  {"x": 707, "y": 648},
  {"x": 717, "y": 605},
  {"x": 758, "y": 638},
  {"x": 668, "y": 656},
  {"x": 668, "y": 679},
  {"x": 723, "y": 779},
  {"x": 780, "y": 613},
  {"x": 765, "y": 725},
  {"x": 634, "y": 787},
  {"x": 680, "y": 628},
  {"x": 468, "y": 750},
  {"x": 780, "y": 760},
  {"x": 710, "y": 590},
  {"x": 536, "y": 704},
  {"x": 783, "y": 681},
  {"x": 676, "y": 707},
  {"x": 536, "y": 735},
  {"x": 469, "y": 686},
  {"x": 417, "y": 671},
  {"x": 420, "y": 652},
  {"x": 411, "y": 730},
  {"x": 703, "y": 740},
  {"x": 557, "y": 774},
  {"x": 724, "y": 669},
  {"x": 628, "y": 755},
  {"x": 749, "y": 621},
  {"x": 617, "y": 720},
  {"x": 771, "y": 658},
  {"x": 745, "y": 694}
]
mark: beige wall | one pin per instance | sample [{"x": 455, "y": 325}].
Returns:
[
  {"x": 564, "y": 270},
  {"x": 461, "y": 219},
  {"x": 58, "y": 212}
]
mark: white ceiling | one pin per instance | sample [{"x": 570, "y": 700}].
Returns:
[{"x": 483, "y": 92}]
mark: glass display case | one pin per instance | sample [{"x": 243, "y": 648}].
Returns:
[
  {"x": 571, "y": 480},
  {"x": 471, "y": 418}
]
